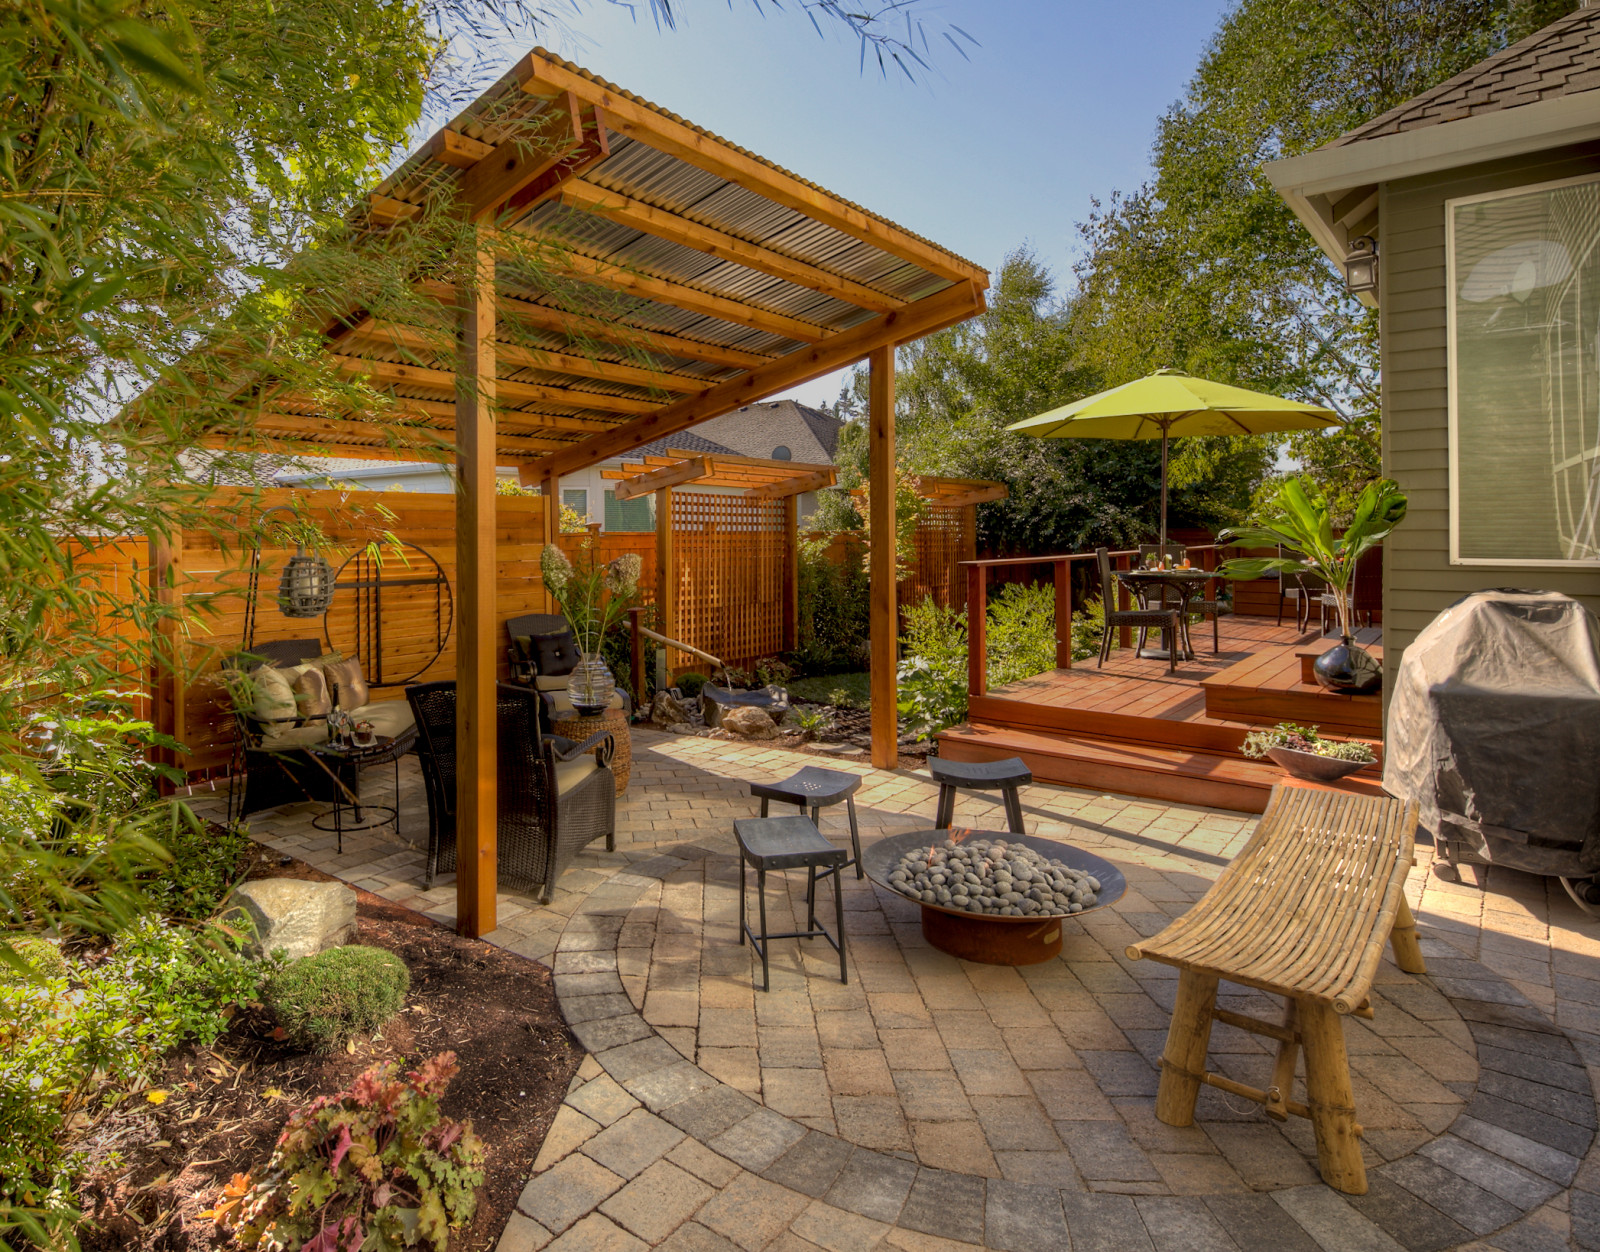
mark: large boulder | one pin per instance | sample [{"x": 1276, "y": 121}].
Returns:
[
  {"x": 749, "y": 723},
  {"x": 292, "y": 915},
  {"x": 667, "y": 712}
]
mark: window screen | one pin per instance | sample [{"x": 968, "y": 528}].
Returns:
[
  {"x": 634, "y": 515},
  {"x": 1524, "y": 282},
  {"x": 576, "y": 499}
]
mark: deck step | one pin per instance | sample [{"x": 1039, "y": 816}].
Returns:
[{"x": 1180, "y": 775}]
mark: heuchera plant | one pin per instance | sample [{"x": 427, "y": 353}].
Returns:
[{"x": 371, "y": 1169}]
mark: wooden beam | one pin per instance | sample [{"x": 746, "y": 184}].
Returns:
[
  {"x": 544, "y": 76},
  {"x": 394, "y": 374},
  {"x": 669, "y": 476},
  {"x": 460, "y": 151},
  {"x": 968, "y": 551},
  {"x": 387, "y": 211},
  {"x": 420, "y": 340},
  {"x": 524, "y": 420},
  {"x": 505, "y": 454},
  {"x": 581, "y": 327},
  {"x": 666, "y": 572},
  {"x": 596, "y": 147},
  {"x": 954, "y": 304},
  {"x": 969, "y": 499},
  {"x": 625, "y": 211},
  {"x": 476, "y": 576},
  {"x": 788, "y": 488},
  {"x": 756, "y": 462},
  {"x": 881, "y": 506},
  {"x": 791, "y": 572},
  {"x": 554, "y": 258},
  {"x": 485, "y": 187}
]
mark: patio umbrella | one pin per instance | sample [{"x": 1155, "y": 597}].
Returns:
[{"x": 1170, "y": 403}]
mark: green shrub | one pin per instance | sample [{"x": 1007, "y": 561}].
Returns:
[
  {"x": 834, "y": 600},
  {"x": 323, "y": 1000},
  {"x": 75, "y": 1040},
  {"x": 207, "y": 863},
  {"x": 933, "y": 675},
  {"x": 1088, "y": 625},
  {"x": 809, "y": 721},
  {"x": 690, "y": 684},
  {"x": 1022, "y": 632},
  {"x": 42, "y": 958},
  {"x": 843, "y": 691},
  {"x": 372, "y": 1167}
]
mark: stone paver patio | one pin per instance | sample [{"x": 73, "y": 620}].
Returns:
[{"x": 932, "y": 1103}]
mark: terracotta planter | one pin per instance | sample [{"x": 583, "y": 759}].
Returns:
[{"x": 1312, "y": 766}]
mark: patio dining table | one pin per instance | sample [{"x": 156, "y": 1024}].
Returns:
[{"x": 1187, "y": 583}]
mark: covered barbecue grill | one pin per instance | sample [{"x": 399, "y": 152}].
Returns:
[{"x": 1494, "y": 729}]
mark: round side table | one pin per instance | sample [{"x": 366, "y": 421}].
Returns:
[{"x": 576, "y": 727}]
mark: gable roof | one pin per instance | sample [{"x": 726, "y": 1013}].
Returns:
[
  {"x": 687, "y": 440},
  {"x": 1560, "y": 60}
]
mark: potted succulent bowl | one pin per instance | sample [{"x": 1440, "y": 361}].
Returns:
[{"x": 1304, "y": 753}]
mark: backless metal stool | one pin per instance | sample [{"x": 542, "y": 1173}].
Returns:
[
  {"x": 779, "y": 843},
  {"x": 815, "y": 788},
  {"x": 1002, "y": 776}
]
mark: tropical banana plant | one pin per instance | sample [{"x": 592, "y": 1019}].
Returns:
[{"x": 1297, "y": 518}]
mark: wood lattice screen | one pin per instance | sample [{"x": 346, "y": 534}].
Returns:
[
  {"x": 730, "y": 564},
  {"x": 936, "y": 572}
]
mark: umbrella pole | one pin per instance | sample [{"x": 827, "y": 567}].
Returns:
[{"x": 1163, "y": 548}]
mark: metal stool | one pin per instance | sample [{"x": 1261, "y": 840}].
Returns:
[
  {"x": 815, "y": 788},
  {"x": 1003, "y": 776},
  {"x": 778, "y": 843}
]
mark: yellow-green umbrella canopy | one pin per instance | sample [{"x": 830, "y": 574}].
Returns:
[{"x": 1170, "y": 403}]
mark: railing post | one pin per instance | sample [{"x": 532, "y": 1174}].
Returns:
[
  {"x": 1124, "y": 633},
  {"x": 977, "y": 634},
  {"x": 1063, "y": 615},
  {"x": 634, "y": 624}
]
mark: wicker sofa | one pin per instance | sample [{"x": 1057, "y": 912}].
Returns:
[{"x": 555, "y": 797}]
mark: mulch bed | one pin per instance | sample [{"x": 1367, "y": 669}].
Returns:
[{"x": 162, "y": 1165}]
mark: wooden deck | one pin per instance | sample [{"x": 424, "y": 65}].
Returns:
[{"x": 1135, "y": 728}]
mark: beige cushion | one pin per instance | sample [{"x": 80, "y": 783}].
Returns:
[
  {"x": 310, "y": 687},
  {"x": 561, "y": 703},
  {"x": 273, "y": 694},
  {"x": 570, "y": 773},
  {"x": 388, "y": 717},
  {"x": 350, "y": 691},
  {"x": 551, "y": 682},
  {"x": 289, "y": 738}
]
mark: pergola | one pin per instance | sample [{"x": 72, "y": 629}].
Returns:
[{"x": 694, "y": 277}]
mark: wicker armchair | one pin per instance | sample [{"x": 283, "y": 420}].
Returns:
[
  {"x": 1145, "y": 619},
  {"x": 542, "y": 652},
  {"x": 260, "y": 777},
  {"x": 554, "y": 798}
]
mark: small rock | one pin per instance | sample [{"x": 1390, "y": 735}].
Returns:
[
  {"x": 678, "y": 728},
  {"x": 667, "y": 712},
  {"x": 749, "y": 723},
  {"x": 297, "y": 917}
]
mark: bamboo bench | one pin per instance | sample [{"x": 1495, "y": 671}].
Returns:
[{"x": 1303, "y": 912}]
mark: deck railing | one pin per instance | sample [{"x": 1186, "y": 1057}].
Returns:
[{"x": 978, "y": 602}]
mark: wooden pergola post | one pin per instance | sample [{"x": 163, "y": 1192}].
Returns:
[
  {"x": 666, "y": 575},
  {"x": 791, "y": 573},
  {"x": 969, "y": 549},
  {"x": 881, "y": 504},
  {"x": 550, "y": 488},
  {"x": 476, "y": 719}
]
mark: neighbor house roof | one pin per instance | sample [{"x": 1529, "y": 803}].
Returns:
[
  {"x": 1559, "y": 60},
  {"x": 1541, "y": 93}
]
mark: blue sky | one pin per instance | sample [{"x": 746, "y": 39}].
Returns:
[{"x": 1057, "y": 105}]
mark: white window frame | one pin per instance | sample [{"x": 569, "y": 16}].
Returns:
[{"x": 1451, "y": 377}]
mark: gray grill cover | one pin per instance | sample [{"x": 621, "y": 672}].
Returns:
[{"x": 1494, "y": 729}]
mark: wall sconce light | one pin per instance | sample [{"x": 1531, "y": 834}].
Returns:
[{"x": 1361, "y": 265}]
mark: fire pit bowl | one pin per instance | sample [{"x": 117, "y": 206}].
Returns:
[{"x": 988, "y": 938}]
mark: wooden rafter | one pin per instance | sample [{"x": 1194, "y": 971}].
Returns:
[
  {"x": 954, "y": 304},
  {"x": 391, "y": 373},
  {"x": 616, "y": 207},
  {"x": 437, "y": 342},
  {"x": 524, "y": 419},
  {"x": 669, "y": 476},
  {"x": 793, "y": 486},
  {"x": 543, "y": 76},
  {"x": 309, "y": 428},
  {"x": 486, "y": 185},
  {"x": 613, "y": 277}
]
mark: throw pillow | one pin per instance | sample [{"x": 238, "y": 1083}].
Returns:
[
  {"x": 274, "y": 697},
  {"x": 310, "y": 687},
  {"x": 522, "y": 646},
  {"x": 555, "y": 654},
  {"x": 350, "y": 688}
]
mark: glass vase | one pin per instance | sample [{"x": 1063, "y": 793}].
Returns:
[{"x": 591, "y": 685}]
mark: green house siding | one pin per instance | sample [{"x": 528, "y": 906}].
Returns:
[{"x": 1418, "y": 579}]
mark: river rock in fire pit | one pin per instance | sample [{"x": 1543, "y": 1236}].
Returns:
[{"x": 994, "y": 877}]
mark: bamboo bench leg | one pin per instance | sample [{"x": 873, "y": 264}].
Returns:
[
  {"x": 1332, "y": 1103},
  {"x": 1184, "y": 1060},
  {"x": 1403, "y": 939}
]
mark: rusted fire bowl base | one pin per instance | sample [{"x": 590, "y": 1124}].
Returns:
[{"x": 984, "y": 937}]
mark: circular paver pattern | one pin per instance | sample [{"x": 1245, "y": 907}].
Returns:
[{"x": 992, "y": 1105}]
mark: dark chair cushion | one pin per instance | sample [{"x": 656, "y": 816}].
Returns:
[{"x": 555, "y": 654}]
